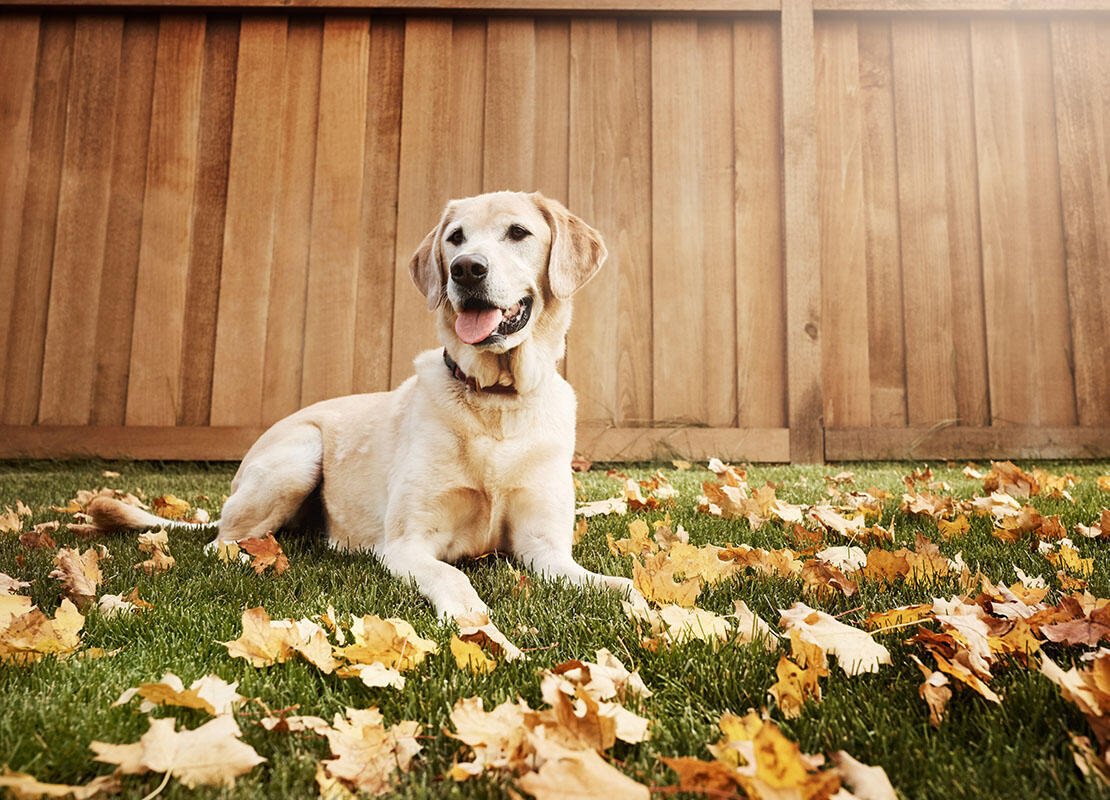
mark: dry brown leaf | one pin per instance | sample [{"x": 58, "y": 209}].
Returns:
[
  {"x": 79, "y": 573},
  {"x": 366, "y": 754},
  {"x": 469, "y": 656},
  {"x": 22, "y": 786},
  {"x": 265, "y": 553},
  {"x": 854, "y": 649},
  {"x": 655, "y": 580},
  {"x": 638, "y": 543},
  {"x": 39, "y": 537},
  {"x": 703, "y": 777},
  {"x": 934, "y": 691},
  {"x": 171, "y": 507},
  {"x": 157, "y": 545},
  {"x": 879, "y": 621},
  {"x": 28, "y": 636},
  {"x": 950, "y": 529},
  {"x": 1005, "y": 476},
  {"x": 210, "y": 755},
  {"x": 581, "y": 774},
  {"x": 390, "y": 642},
  {"x": 211, "y": 694},
  {"x": 825, "y": 581}
]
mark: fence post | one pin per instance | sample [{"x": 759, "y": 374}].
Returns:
[{"x": 801, "y": 234}]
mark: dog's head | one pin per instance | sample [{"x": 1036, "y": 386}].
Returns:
[{"x": 496, "y": 264}]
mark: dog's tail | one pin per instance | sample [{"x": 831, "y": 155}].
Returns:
[{"x": 110, "y": 514}]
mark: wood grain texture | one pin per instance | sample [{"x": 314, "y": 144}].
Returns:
[
  {"x": 509, "y": 141},
  {"x": 209, "y": 214},
  {"x": 285, "y": 319},
  {"x": 844, "y": 341},
  {"x": 1082, "y": 92},
  {"x": 379, "y": 207},
  {"x": 79, "y": 238},
  {"x": 801, "y": 233},
  {"x": 760, "y": 299},
  {"x": 609, "y": 344},
  {"x": 1020, "y": 217},
  {"x": 591, "y": 7},
  {"x": 716, "y": 182},
  {"x": 550, "y": 167},
  {"x": 679, "y": 287},
  {"x": 27, "y": 324},
  {"x": 886, "y": 347},
  {"x": 248, "y": 245},
  {"x": 19, "y": 40},
  {"x": 154, "y": 380},
  {"x": 661, "y": 444},
  {"x": 116, "y": 308},
  {"x": 329, "y": 357},
  {"x": 923, "y": 177},
  {"x": 443, "y": 112},
  {"x": 941, "y": 443}
]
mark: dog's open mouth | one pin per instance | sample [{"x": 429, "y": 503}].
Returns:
[{"x": 480, "y": 322}]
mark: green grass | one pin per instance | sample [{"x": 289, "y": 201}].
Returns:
[{"x": 51, "y": 710}]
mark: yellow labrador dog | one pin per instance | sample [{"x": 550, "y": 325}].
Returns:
[{"x": 469, "y": 455}]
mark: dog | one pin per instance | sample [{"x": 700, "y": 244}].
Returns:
[{"x": 469, "y": 455}]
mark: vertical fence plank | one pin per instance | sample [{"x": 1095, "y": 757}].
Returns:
[
  {"x": 248, "y": 246},
  {"x": 1082, "y": 92},
  {"x": 79, "y": 238},
  {"x": 801, "y": 233},
  {"x": 202, "y": 293},
  {"x": 716, "y": 182},
  {"x": 27, "y": 324},
  {"x": 124, "y": 225},
  {"x": 609, "y": 343},
  {"x": 760, "y": 304},
  {"x": 844, "y": 340},
  {"x": 508, "y": 146},
  {"x": 550, "y": 166},
  {"x": 442, "y": 116},
  {"x": 329, "y": 357},
  {"x": 885, "y": 343},
  {"x": 285, "y": 319},
  {"x": 679, "y": 285},
  {"x": 154, "y": 381},
  {"x": 922, "y": 185},
  {"x": 19, "y": 39},
  {"x": 379, "y": 206},
  {"x": 1023, "y": 251}
]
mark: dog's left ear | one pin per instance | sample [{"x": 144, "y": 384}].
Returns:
[
  {"x": 425, "y": 267},
  {"x": 577, "y": 251}
]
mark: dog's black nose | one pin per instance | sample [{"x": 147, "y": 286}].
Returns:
[{"x": 469, "y": 269}]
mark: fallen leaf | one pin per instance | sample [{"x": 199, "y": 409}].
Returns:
[
  {"x": 470, "y": 656},
  {"x": 934, "y": 691},
  {"x": 581, "y": 774},
  {"x": 655, "y": 580},
  {"x": 79, "y": 573},
  {"x": 171, "y": 507},
  {"x": 865, "y": 782},
  {"x": 10, "y": 585},
  {"x": 855, "y": 651},
  {"x": 390, "y": 642},
  {"x": 612, "y": 505},
  {"x": 210, "y": 755},
  {"x": 366, "y": 754},
  {"x": 210, "y": 694},
  {"x": 265, "y": 553},
  {"x": 27, "y": 637},
  {"x": 156, "y": 544},
  {"x": 26, "y": 787}
]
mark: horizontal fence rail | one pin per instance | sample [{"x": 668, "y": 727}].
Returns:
[{"x": 832, "y": 233}]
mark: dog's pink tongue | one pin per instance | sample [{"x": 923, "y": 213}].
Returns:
[{"x": 474, "y": 326}]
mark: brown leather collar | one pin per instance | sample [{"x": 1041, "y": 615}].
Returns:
[{"x": 459, "y": 375}]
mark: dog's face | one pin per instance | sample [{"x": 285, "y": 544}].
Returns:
[{"x": 496, "y": 262}]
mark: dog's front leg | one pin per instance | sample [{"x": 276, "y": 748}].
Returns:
[{"x": 448, "y": 589}]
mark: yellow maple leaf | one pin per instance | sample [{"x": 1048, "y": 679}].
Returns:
[
  {"x": 468, "y": 655},
  {"x": 210, "y": 693},
  {"x": 655, "y": 580},
  {"x": 366, "y": 754},
  {"x": 29, "y": 636},
  {"x": 23, "y": 787},
  {"x": 392, "y": 642},
  {"x": 79, "y": 573},
  {"x": 171, "y": 507}
]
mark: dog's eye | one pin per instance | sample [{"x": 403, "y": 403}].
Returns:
[
  {"x": 456, "y": 238},
  {"x": 517, "y": 232}
]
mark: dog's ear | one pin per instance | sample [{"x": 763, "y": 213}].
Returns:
[
  {"x": 425, "y": 268},
  {"x": 577, "y": 251}
]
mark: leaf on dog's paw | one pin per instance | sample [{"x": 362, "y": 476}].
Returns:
[
  {"x": 211, "y": 694},
  {"x": 24, "y": 787},
  {"x": 210, "y": 755},
  {"x": 79, "y": 573},
  {"x": 265, "y": 552},
  {"x": 366, "y": 753},
  {"x": 469, "y": 655}
]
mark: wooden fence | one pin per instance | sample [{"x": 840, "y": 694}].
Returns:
[{"x": 875, "y": 229}]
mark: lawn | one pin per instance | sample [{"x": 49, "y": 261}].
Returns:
[{"x": 52, "y": 709}]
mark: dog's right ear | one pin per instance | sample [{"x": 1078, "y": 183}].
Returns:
[{"x": 426, "y": 270}]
